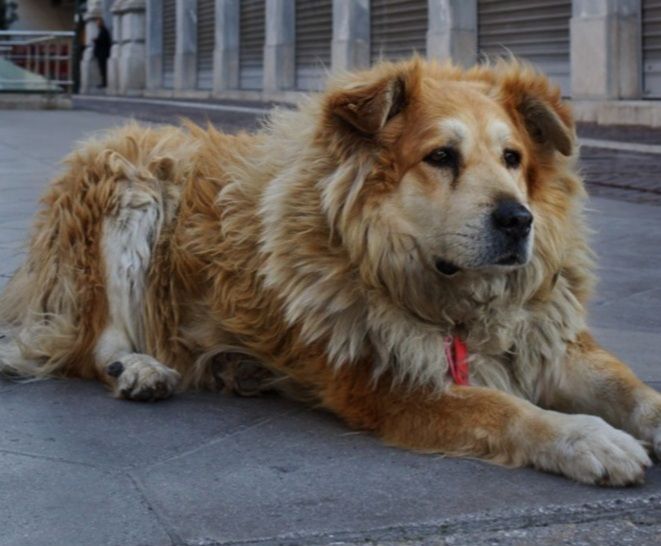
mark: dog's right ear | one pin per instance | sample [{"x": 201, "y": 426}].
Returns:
[{"x": 368, "y": 107}]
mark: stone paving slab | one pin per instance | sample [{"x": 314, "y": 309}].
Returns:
[
  {"x": 304, "y": 475},
  {"x": 221, "y": 469},
  {"x": 78, "y": 467},
  {"x": 45, "y": 502},
  {"x": 133, "y": 435}
]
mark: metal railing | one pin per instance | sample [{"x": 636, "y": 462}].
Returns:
[{"x": 36, "y": 61}]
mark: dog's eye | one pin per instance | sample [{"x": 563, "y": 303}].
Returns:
[
  {"x": 443, "y": 157},
  {"x": 512, "y": 158}
]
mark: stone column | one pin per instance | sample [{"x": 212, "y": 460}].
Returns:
[
  {"x": 90, "y": 76},
  {"x": 154, "y": 44},
  {"x": 606, "y": 57},
  {"x": 351, "y": 34},
  {"x": 226, "y": 49},
  {"x": 452, "y": 31},
  {"x": 113, "y": 61},
  {"x": 108, "y": 14},
  {"x": 185, "y": 56},
  {"x": 279, "y": 53},
  {"x": 131, "y": 67}
]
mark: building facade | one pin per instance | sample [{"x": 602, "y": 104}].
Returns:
[
  {"x": 40, "y": 15},
  {"x": 604, "y": 54}
]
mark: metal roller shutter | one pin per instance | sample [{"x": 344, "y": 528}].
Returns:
[
  {"x": 251, "y": 43},
  {"x": 537, "y": 31},
  {"x": 206, "y": 27},
  {"x": 651, "y": 17},
  {"x": 314, "y": 33},
  {"x": 397, "y": 28},
  {"x": 169, "y": 37}
]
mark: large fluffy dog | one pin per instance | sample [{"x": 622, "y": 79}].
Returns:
[{"x": 348, "y": 247}]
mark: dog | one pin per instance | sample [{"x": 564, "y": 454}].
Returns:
[{"x": 407, "y": 250}]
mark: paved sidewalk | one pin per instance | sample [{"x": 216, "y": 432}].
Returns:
[{"x": 79, "y": 468}]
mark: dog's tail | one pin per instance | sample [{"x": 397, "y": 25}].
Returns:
[
  {"x": 42, "y": 306},
  {"x": 33, "y": 344}
]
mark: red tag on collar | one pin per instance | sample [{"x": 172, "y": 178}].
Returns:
[{"x": 456, "y": 353}]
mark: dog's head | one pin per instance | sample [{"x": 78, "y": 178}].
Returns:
[{"x": 453, "y": 163}]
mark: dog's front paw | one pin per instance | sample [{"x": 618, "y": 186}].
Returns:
[
  {"x": 141, "y": 377},
  {"x": 589, "y": 450}
]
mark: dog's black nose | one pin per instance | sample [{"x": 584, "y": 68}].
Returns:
[{"x": 512, "y": 218}]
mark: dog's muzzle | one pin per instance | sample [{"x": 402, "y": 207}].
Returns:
[{"x": 512, "y": 224}]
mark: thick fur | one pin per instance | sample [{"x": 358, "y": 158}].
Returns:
[{"x": 162, "y": 255}]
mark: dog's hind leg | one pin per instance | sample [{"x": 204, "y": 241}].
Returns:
[{"x": 128, "y": 239}]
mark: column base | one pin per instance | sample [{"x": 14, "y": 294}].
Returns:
[
  {"x": 113, "y": 69},
  {"x": 225, "y": 69},
  {"x": 131, "y": 67},
  {"x": 154, "y": 71},
  {"x": 185, "y": 71},
  {"x": 90, "y": 77},
  {"x": 279, "y": 67}
]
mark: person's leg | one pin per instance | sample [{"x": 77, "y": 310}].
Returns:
[{"x": 103, "y": 65}]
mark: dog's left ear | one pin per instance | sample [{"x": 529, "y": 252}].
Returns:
[
  {"x": 546, "y": 118},
  {"x": 544, "y": 125},
  {"x": 368, "y": 107}
]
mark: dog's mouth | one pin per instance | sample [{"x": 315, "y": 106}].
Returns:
[{"x": 512, "y": 259}]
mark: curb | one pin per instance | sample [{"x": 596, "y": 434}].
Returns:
[{"x": 36, "y": 101}]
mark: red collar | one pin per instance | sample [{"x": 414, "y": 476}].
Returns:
[{"x": 456, "y": 354}]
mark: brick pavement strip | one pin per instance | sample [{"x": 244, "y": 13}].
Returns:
[
  {"x": 608, "y": 524},
  {"x": 80, "y": 468},
  {"x": 621, "y": 133},
  {"x": 629, "y": 176}
]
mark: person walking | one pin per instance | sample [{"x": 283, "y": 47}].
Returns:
[{"x": 102, "y": 45}]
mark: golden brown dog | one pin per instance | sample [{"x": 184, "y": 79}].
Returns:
[{"x": 346, "y": 248}]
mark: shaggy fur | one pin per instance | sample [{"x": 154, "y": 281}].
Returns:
[{"x": 306, "y": 253}]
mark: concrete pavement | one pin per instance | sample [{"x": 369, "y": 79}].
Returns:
[{"x": 79, "y": 468}]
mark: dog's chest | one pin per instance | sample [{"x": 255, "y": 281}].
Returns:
[
  {"x": 511, "y": 346},
  {"x": 516, "y": 351}
]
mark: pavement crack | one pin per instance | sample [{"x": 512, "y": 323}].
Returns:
[
  {"x": 54, "y": 459},
  {"x": 224, "y": 436},
  {"x": 175, "y": 539}
]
